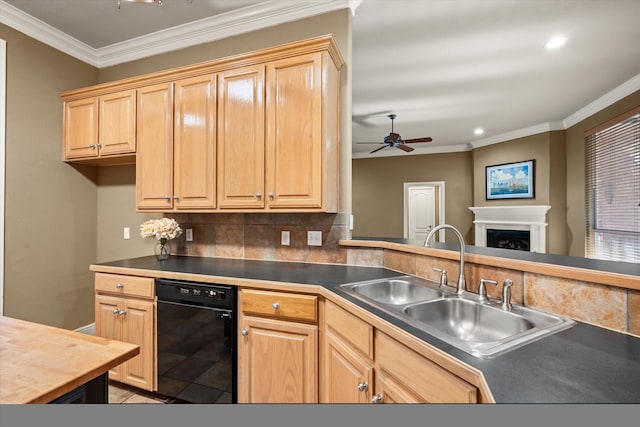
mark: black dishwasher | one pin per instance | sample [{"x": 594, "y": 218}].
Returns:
[{"x": 196, "y": 324}]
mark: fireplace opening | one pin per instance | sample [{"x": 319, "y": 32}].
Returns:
[{"x": 519, "y": 240}]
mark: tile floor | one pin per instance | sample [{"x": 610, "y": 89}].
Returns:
[{"x": 121, "y": 393}]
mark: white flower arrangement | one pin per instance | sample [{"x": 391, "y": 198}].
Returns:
[{"x": 162, "y": 229}]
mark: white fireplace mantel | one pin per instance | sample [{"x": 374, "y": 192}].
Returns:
[{"x": 531, "y": 218}]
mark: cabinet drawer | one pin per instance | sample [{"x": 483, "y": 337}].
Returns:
[
  {"x": 280, "y": 305},
  {"x": 355, "y": 331},
  {"x": 125, "y": 285}
]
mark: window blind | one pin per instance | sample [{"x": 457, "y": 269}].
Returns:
[{"x": 612, "y": 160}]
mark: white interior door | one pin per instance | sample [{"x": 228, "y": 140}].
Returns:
[{"x": 422, "y": 211}]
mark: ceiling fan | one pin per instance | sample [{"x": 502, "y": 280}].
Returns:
[{"x": 395, "y": 140}]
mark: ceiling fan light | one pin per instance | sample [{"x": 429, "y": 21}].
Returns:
[{"x": 478, "y": 131}]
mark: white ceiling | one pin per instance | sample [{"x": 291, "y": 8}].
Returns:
[{"x": 444, "y": 67}]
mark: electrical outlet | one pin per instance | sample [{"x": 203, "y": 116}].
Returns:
[
  {"x": 285, "y": 239},
  {"x": 189, "y": 235},
  {"x": 127, "y": 233},
  {"x": 314, "y": 238}
]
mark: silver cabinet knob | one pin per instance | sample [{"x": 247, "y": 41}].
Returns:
[
  {"x": 92, "y": 146},
  {"x": 363, "y": 386},
  {"x": 167, "y": 198},
  {"x": 99, "y": 145},
  {"x": 271, "y": 195},
  {"x": 116, "y": 311},
  {"x": 176, "y": 197},
  {"x": 258, "y": 195},
  {"x": 377, "y": 399},
  {"x": 275, "y": 305},
  {"x": 244, "y": 332},
  {"x": 122, "y": 313},
  {"x": 119, "y": 285}
]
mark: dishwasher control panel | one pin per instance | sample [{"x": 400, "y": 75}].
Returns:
[{"x": 210, "y": 295}]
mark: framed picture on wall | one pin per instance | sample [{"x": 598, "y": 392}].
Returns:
[{"x": 510, "y": 181}]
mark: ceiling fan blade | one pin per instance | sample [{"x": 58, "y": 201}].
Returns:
[
  {"x": 410, "y": 141},
  {"x": 378, "y": 149},
  {"x": 370, "y": 143},
  {"x": 405, "y": 148}
]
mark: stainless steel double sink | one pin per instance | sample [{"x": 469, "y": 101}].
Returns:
[{"x": 480, "y": 328}]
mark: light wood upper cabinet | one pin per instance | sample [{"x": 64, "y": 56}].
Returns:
[
  {"x": 100, "y": 127},
  {"x": 241, "y": 138},
  {"x": 294, "y": 132},
  {"x": 154, "y": 158},
  {"x": 255, "y": 132},
  {"x": 194, "y": 149},
  {"x": 80, "y": 128},
  {"x": 117, "y": 124}
]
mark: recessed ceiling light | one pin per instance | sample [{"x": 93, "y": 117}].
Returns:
[
  {"x": 478, "y": 131},
  {"x": 555, "y": 42}
]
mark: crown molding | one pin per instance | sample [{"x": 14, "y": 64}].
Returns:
[
  {"x": 518, "y": 133},
  {"x": 246, "y": 19},
  {"x": 45, "y": 33},
  {"x": 627, "y": 88}
]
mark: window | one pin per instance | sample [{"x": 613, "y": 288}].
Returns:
[{"x": 613, "y": 190}]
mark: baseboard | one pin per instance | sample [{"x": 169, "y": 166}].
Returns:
[{"x": 87, "y": 329}]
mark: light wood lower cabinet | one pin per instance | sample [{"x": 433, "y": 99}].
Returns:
[
  {"x": 128, "y": 319},
  {"x": 362, "y": 364},
  {"x": 277, "y": 356}
]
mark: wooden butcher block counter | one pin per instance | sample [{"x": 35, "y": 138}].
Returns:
[{"x": 40, "y": 363}]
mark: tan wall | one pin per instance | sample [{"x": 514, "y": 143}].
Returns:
[
  {"x": 547, "y": 149},
  {"x": 50, "y": 217},
  {"x": 116, "y": 194},
  {"x": 575, "y": 169},
  {"x": 378, "y": 191}
]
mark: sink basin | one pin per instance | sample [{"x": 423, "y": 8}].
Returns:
[
  {"x": 395, "y": 291},
  {"x": 469, "y": 321},
  {"x": 482, "y": 329}
]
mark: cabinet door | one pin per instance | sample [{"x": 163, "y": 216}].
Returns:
[
  {"x": 391, "y": 391},
  {"x": 117, "y": 124},
  {"x": 194, "y": 143},
  {"x": 137, "y": 328},
  {"x": 154, "y": 157},
  {"x": 294, "y": 134},
  {"x": 418, "y": 375},
  {"x": 80, "y": 128},
  {"x": 108, "y": 324},
  {"x": 241, "y": 138},
  {"x": 278, "y": 362},
  {"x": 348, "y": 377}
]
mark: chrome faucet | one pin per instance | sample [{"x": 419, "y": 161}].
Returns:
[{"x": 461, "y": 281}]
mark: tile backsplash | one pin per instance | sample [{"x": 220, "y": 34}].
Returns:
[{"x": 258, "y": 236}]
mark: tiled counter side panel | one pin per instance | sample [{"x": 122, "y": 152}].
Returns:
[{"x": 601, "y": 305}]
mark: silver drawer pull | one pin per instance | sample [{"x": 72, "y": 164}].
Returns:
[
  {"x": 363, "y": 386},
  {"x": 119, "y": 285},
  {"x": 244, "y": 332},
  {"x": 275, "y": 305}
]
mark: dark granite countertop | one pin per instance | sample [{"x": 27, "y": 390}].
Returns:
[{"x": 583, "y": 364}]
